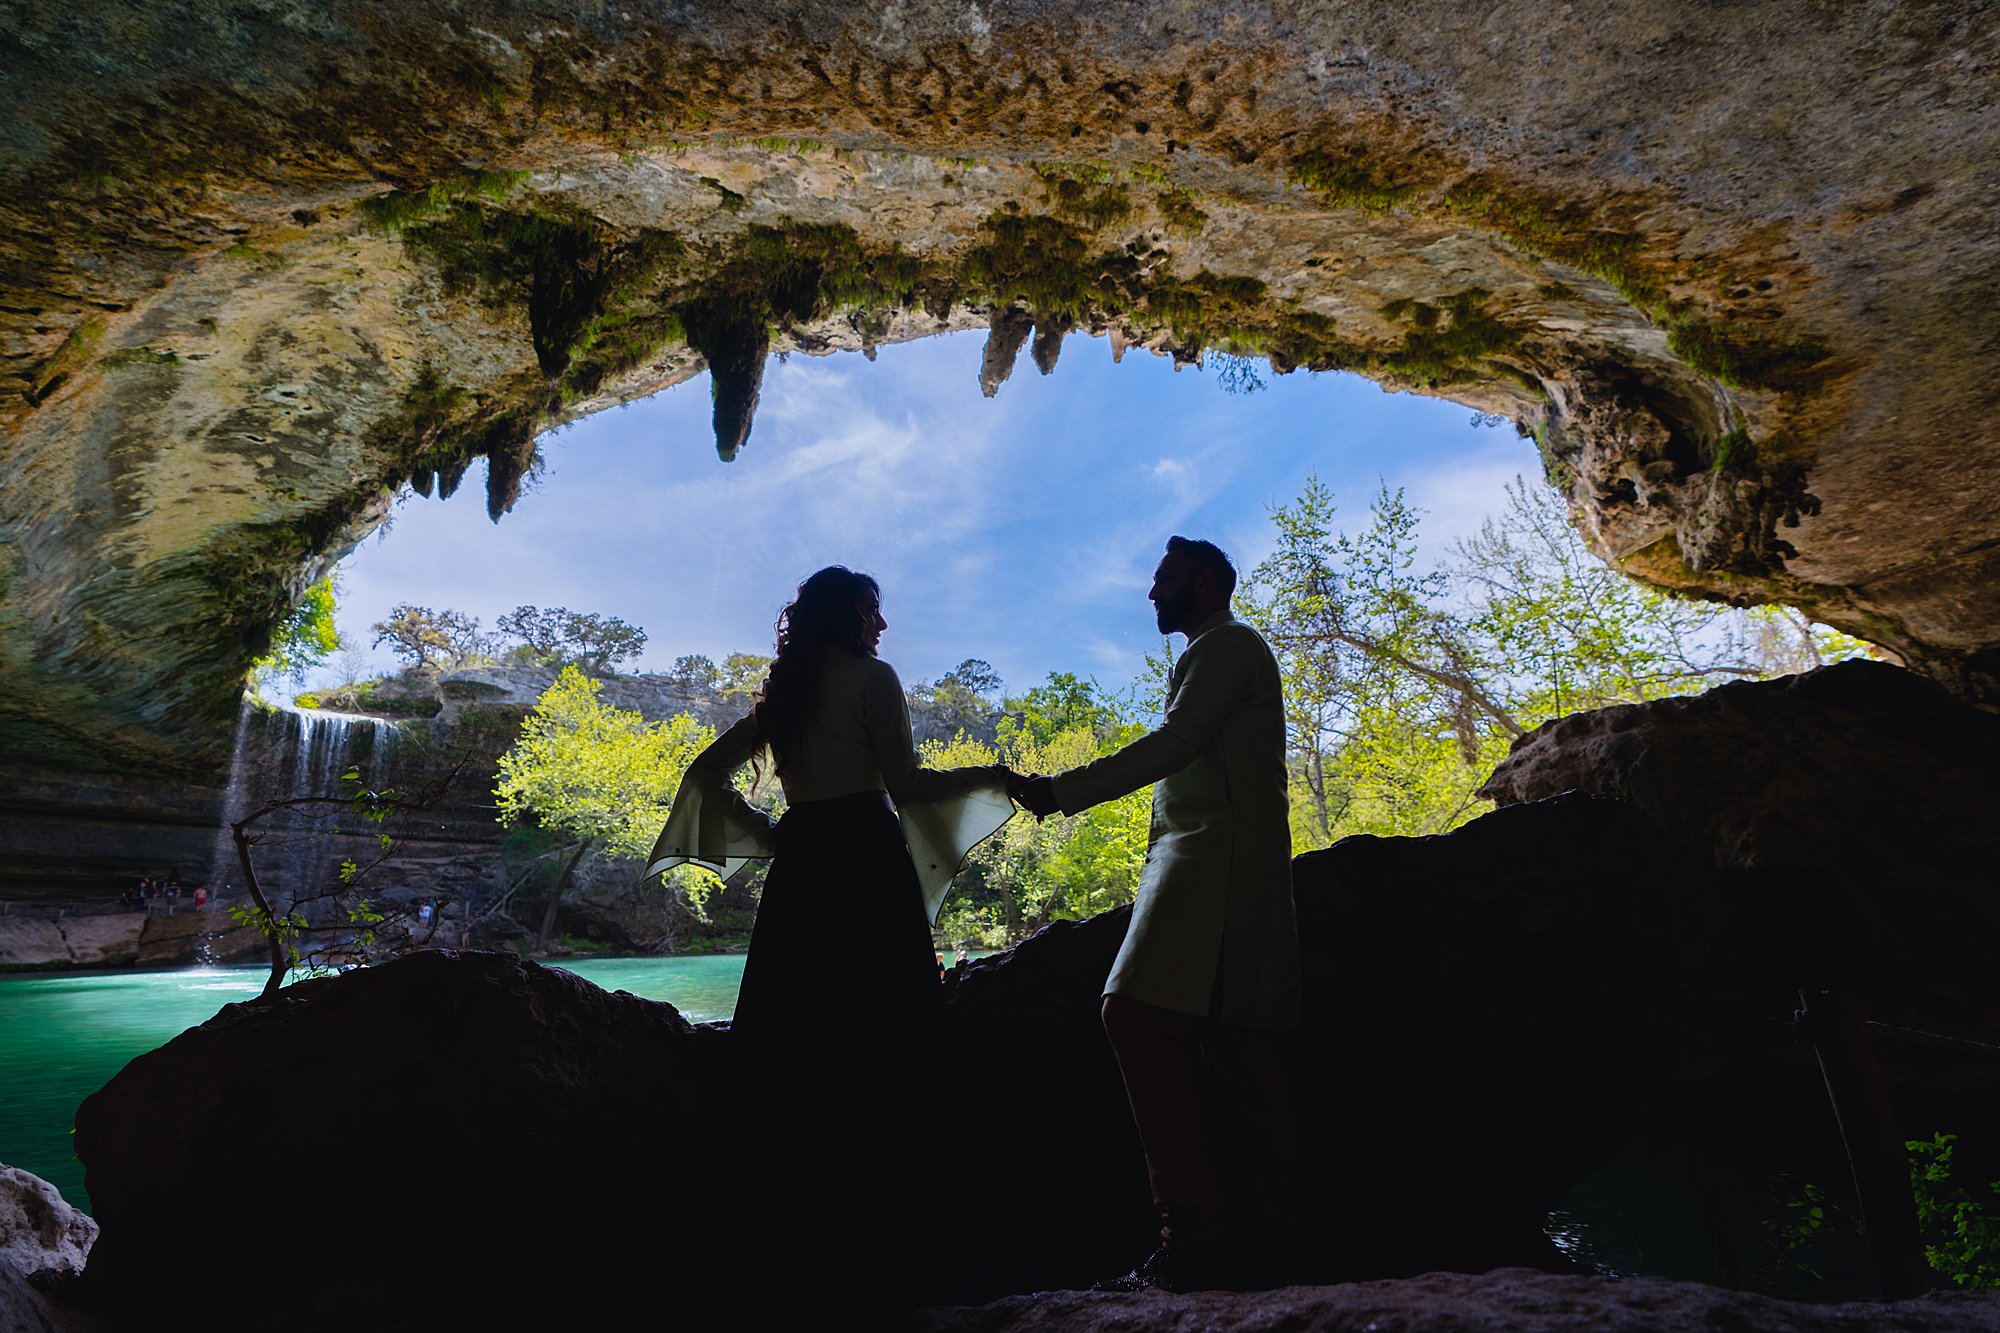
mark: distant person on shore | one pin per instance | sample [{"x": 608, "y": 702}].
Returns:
[
  {"x": 963, "y": 957},
  {"x": 1207, "y": 980},
  {"x": 173, "y": 895},
  {"x": 200, "y": 896}
]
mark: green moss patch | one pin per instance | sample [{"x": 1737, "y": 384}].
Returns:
[{"x": 1745, "y": 356}]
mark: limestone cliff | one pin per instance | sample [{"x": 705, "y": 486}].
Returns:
[{"x": 263, "y": 265}]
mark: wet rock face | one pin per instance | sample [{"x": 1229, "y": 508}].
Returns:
[{"x": 261, "y": 268}]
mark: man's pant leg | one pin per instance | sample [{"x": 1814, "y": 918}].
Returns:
[
  {"x": 1251, "y": 1068},
  {"x": 1160, "y": 1055}
]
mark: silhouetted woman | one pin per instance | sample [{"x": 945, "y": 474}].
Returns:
[{"x": 841, "y": 954}]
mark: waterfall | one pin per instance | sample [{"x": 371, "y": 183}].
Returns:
[
  {"x": 223, "y": 872},
  {"x": 326, "y": 746},
  {"x": 299, "y": 752}
]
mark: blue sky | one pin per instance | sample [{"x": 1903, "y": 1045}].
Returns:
[{"x": 1022, "y": 529}]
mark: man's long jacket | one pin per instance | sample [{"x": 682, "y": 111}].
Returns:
[{"x": 1216, "y": 891}]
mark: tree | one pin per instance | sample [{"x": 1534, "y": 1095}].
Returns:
[
  {"x": 1403, "y": 688},
  {"x": 1032, "y": 872},
  {"x": 560, "y": 637},
  {"x": 595, "y": 776},
  {"x": 957, "y": 703},
  {"x": 694, "y": 674},
  {"x": 321, "y": 926},
  {"x": 1295, "y": 596},
  {"x": 742, "y": 674},
  {"x": 1064, "y": 702},
  {"x": 430, "y": 640},
  {"x": 304, "y": 638}
]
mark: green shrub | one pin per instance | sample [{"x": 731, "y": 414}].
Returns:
[{"x": 1961, "y": 1238}]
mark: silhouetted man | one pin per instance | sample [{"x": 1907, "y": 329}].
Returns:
[{"x": 1208, "y": 976}]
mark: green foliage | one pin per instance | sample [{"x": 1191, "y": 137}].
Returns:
[
  {"x": 1569, "y": 233},
  {"x": 142, "y": 356},
  {"x": 428, "y": 640},
  {"x": 560, "y": 637},
  {"x": 1746, "y": 357},
  {"x": 741, "y": 674},
  {"x": 1961, "y": 1235},
  {"x": 303, "y": 639},
  {"x": 1180, "y": 212},
  {"x": 319, "y": 928},
  {"x": 1404, "y": 687},
  {"x": 1446, "y": 343},
  {"x": 1088, "y": 195},
  {"x": 1033, "y": 872},
  {"x": 957, "y": 704},
  {"x": 1803, "y": 1221},
  {"x": 695, "y": 674},
  {"x": 593, "y": 774},
  {"x": 1064, "y": 702}
]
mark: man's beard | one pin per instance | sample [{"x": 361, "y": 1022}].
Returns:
[{"x": 1171, "y": 615}]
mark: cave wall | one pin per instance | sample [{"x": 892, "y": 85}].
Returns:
[{"x": 264, "y": 265}]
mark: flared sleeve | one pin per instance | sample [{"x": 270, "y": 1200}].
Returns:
[
  {"x": 710, "y": 823},
  {"x": 946, "y": 812},
  {"x": 942, "y": 833}
]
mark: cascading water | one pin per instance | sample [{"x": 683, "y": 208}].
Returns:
[
  {"x": 223, "y": 871},
  {"x": 303, "y": 752},
  {"x": 326, "y": 746}
]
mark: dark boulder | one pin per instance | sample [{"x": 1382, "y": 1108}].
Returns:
[
  {"x": 446, "y": 1134},
  {"x": 1848, "y": 815}
]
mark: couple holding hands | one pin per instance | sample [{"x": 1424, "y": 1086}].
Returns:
[{"x": 1207, "y": 980}]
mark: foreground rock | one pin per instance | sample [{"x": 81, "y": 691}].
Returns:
[
  {"x": 43, "y": 1244},
  {"x": 40, "y": 1234},
  {"x": 1507, "y": 1301},
  {"x": 1849, "y": 816}
]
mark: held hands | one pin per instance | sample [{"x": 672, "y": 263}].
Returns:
[{"x": 1034, "y": 793}]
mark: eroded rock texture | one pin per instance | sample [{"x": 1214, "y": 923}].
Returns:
[
  {"x": 264, "y": 264},
  {"x": 39, "y": 1232},
  {"x": 1510, "y": 1301}
]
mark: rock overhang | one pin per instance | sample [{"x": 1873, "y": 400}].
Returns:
[{"x": 266, "y": 265}]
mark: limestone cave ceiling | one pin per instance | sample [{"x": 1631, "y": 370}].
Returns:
[{"x": 265, "y": 262}]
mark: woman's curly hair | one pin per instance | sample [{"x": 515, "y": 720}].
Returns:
[{"x": 823, "y": 617}]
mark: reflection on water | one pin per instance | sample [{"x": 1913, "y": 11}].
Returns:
[{"x": 63, "y": 1035}]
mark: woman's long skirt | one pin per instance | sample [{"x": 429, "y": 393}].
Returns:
[
  {"x": 840, "y": 1000},
  {"x": 841, "y": 954}
]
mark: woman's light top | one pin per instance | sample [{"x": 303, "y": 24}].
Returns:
[{"x": 857, "y": 739}]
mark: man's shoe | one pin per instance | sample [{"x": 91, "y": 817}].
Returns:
[{"x": 1168, "y": 1270}]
